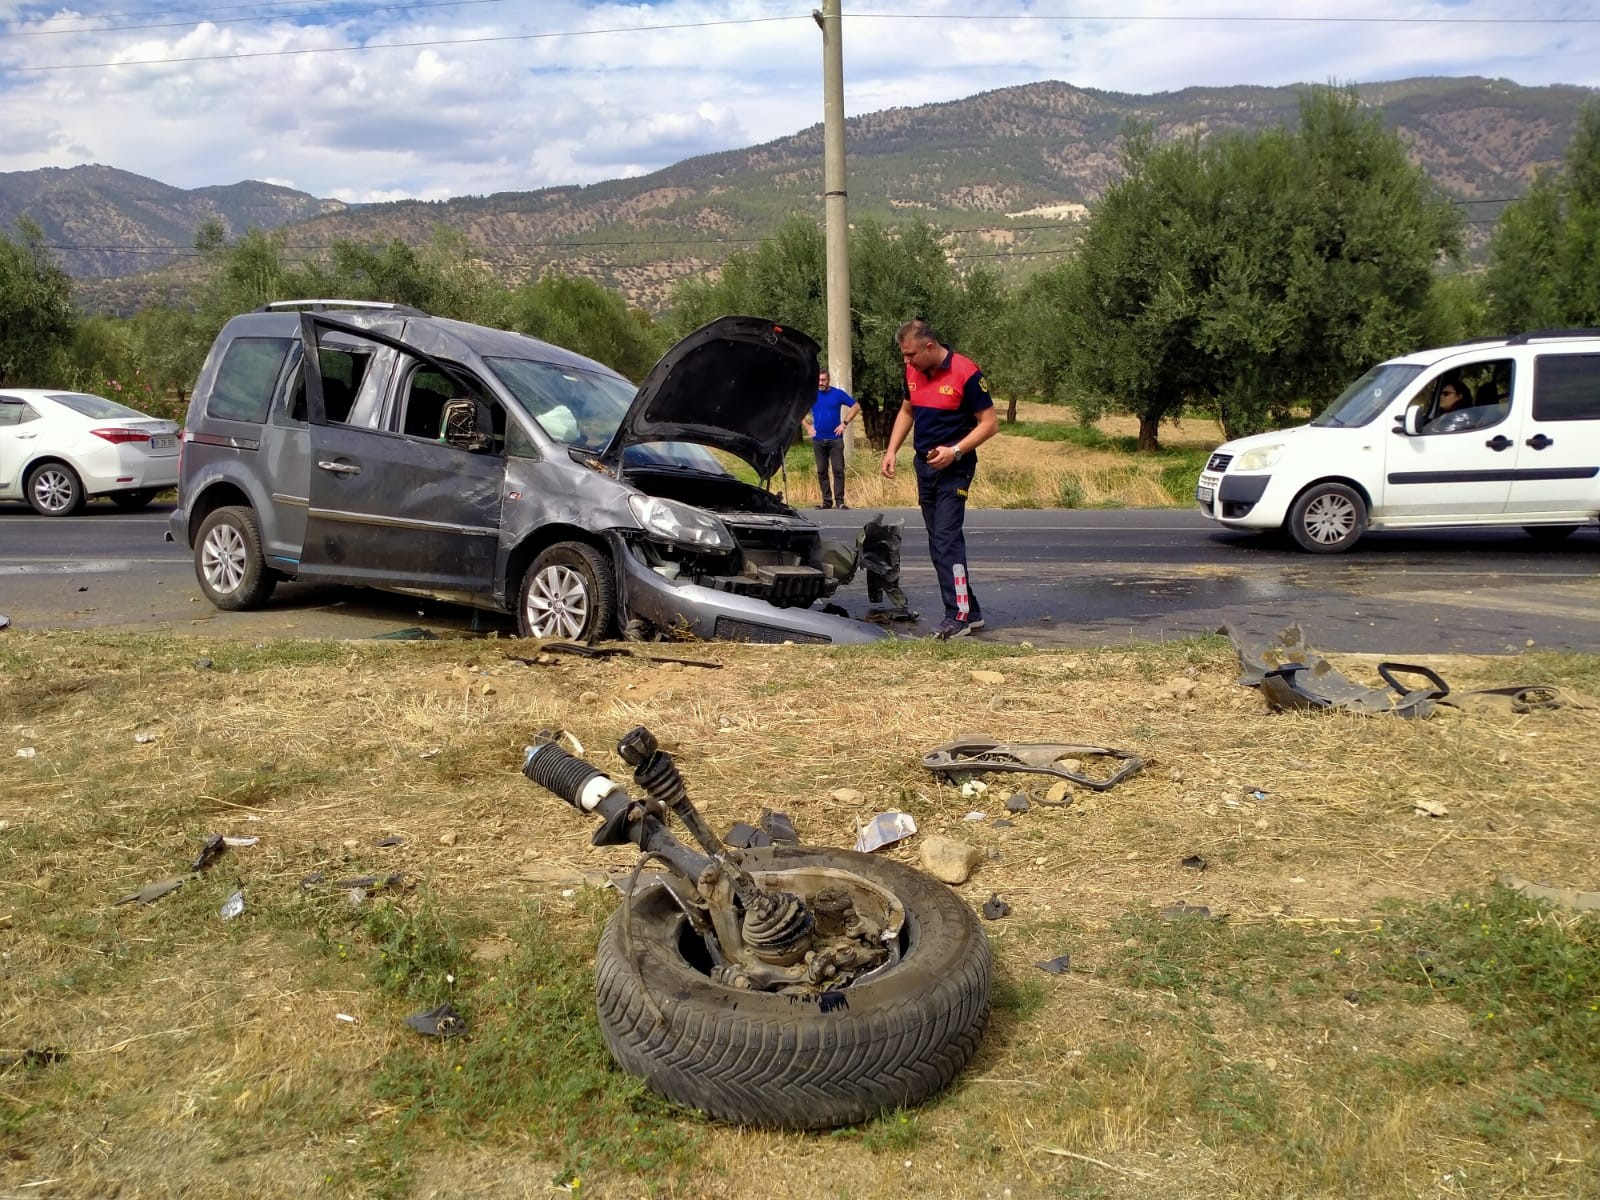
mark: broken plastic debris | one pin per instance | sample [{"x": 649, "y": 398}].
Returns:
[
  {"x": 394, "y": 839},
  {"x": 5, "y": 621},
  {"x": 994, "y": 908},
  {"x": 1430, "y": 808},
  {"x": 413, "y": 634},
  {"x": 232, "y": 906},
  {"x": 1056, "y": 966},
  {"x": 974, "y": 753},
  {"x": 973, "y": 788},
  {"x": 1018, "y": 802},
  {"x": 975, "y": 815},
  {"x": 744, "y": 836},
  {"x": 884, "y": 830},
  {"x": 214, "y": 848},
  {"x": 1177, "y": 912},
  {"x": 1568, "y": 898},
  {"x": 26, "y": 752},
  {"x": 1195, "y": 862},
  {"x": 345, "y": 1017},
  {"x": 239, "y": 841},
  {"x": 151, "y": 892},
  {"x": 145, "y": 738},
  {"x": 441, "y": 1022},
  {"x": 779, "y": 827}
]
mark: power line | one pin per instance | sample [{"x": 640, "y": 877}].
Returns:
[
  {"x": 1193, "y": 18},
  {"x": 210, "y": 20},
  {"x": 472, "y": 41}
]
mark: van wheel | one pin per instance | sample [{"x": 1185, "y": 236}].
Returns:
[
  {"x": 567, "y": 593},
  {"x": 228, "y": 561},
  {"x": 1549, "y": 533},
  {"x": 1328, "y": 518},
  {"x": 54, "y": 490}
]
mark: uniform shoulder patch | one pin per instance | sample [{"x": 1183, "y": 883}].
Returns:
[{"x": 983, "y": 384}]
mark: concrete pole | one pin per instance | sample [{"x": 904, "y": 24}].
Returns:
[{"x": 836, "y": 207}]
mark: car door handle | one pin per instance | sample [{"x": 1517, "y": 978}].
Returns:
[
  {"x": 1538, "y": 441},
  {"x": 339, "y": 468},
  {"x": 1499, "y": 442},
  {"x": 26, "y": 437}
]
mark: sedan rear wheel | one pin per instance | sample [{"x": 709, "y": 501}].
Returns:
[
  {"x": 1328, "y": 518},
  {"x": 54, "y": 490},
  {"x": 228, "y": 561},
  {"x": 567, "y": 593}
]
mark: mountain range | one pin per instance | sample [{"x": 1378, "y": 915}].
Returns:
[{"x": 1010, "y": 172}]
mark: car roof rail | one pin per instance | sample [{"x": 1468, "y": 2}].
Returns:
[
  {"x": 404, "y": 310},
  {"x": 1522, "y": 339}
]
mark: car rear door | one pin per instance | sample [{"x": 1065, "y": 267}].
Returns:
[
  {"x": 1558, "y": 452},
  {"x": 16, "y": 441},
  {"x": 392, "y": 505}
]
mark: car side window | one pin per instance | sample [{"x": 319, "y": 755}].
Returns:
[
  {"x": 1566, "y": 387},
  {"x": 425, "y": 411},
  {"x": 1467, "y": 398},
  {"x": 247, "y": 377},
  {"x": 15, "y": 412}
]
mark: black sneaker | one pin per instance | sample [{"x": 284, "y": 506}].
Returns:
[{"x": 950, "y": 628}]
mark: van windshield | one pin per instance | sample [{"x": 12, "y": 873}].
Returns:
[
  {"x": 585, "y": 408},
  {"x": 1368, "y": 396}
]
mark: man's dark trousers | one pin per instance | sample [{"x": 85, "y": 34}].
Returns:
[
  {"x": 943, "y": 497},
  {"x": 830, "y": 453}
]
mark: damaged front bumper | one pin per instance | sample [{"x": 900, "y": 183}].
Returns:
[{"x": 680, "y": 607}]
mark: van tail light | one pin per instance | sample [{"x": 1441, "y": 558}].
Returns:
[{"x": 119, "y": 435}]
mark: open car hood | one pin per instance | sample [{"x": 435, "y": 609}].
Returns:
[{"x": 739, "y": 384}]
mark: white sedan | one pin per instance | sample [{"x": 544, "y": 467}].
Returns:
[{"x": 58, "y": 448}]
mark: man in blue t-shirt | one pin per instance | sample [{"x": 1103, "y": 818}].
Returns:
[{"x": 824, "y": 425}]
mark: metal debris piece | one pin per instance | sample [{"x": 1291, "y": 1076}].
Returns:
[
  {"x": 884, "y": 830},
  {"x": 1195, "y": 862},
  {"x": 151, "y": 892},
  {"x": 1178, "y": 912},
  {"x": 1056, "y": 966},
  {"x": 974, "y": 752},
  {"x": 994, "y": 908},
  {"x": 394, "y": 839},
  {"x": 232, "y": 906},
  {"x": 744, "y": 836},
  {"x": 441, "y": 1022},
  {"x": 1290, "y": 675},
  {"x": 215, "y": 846},
  {"x": 1568, "y": 898}
]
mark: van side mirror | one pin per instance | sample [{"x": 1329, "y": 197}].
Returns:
[
  {"x": 460, "y": 426},
  {"x": 1409, "y": 422}
]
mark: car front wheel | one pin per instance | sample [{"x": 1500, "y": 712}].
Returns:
[
  {"x": 1328, "y": 518},
  {"x": 54, "y": 490},
  {"x": 567, "y": 593},
  {"x": 228, "y": 561}
]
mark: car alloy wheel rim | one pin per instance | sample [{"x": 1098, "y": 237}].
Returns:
[
  {"x": 558, "y": 603},
  {"x": 1330, "y": 519},
  {"x": 222, "y": 558},
  {"x": 53, "y": 490}
]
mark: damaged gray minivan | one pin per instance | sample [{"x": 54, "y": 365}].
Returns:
[{"x": 373, "y": 444}]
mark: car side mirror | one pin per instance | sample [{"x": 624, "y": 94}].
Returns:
[
  {"x": 1409, "y": 422},
  {"x": 460, "y": 426}
]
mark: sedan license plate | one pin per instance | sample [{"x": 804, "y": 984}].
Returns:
[
  {"x": 1204, "y": 494},
  {"x": 163, "y": 441}
]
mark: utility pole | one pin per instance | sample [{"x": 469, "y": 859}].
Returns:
[{"x": 835, "y": 203}]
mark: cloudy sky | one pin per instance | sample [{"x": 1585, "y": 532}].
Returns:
[{"x": 430, "y": 99}]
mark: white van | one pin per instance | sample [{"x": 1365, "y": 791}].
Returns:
[{"x": 1503, "y": 431}]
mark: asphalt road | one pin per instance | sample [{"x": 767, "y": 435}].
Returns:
[{"x": 1065, "y": 577}]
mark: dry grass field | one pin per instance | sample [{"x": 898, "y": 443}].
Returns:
[{"x": 1365, "y": 1013}]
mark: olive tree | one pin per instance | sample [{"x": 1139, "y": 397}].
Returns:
[
  {"x": 1245, "y": 274},
  {"x": 36, "y": 316}
]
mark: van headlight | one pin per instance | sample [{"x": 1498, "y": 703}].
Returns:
[
  {"x": 680, "y": 523},
  {"x": 1258, "y": 459}
]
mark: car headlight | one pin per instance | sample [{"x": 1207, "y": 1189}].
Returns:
[
  {"x": 1258, "y": 459},
  {"x": 680, "y": 523}
]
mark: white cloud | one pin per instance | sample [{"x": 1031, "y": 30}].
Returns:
[{"x": 482, "y": 115}]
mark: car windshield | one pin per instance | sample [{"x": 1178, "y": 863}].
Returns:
[
  {"x": 584, "y": 409},
  {"x": 96, "y": 408},
  {"x": 1368, "y": 396}
]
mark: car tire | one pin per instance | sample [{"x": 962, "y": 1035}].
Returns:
[
  {"x": 791, "y": 1062},
  {"x": 228, "y": 561},
  {"x": 568, "y": 593},
  {"x": 132, "y": 501},
  {"x": 1549, "y": 533},
  {"x": 54, "y": 490},
  {"x": 1327, "y": 518}
]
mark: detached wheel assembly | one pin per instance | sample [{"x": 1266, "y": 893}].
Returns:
[
  {"x": 890, "y": 1040},
  {"x": 788, "y": 987}
]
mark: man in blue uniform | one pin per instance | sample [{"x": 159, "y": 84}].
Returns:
[
  {"x": 948, "y": 413},
  {"x": 832, "y": 410}
]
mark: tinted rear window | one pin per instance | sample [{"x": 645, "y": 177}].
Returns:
[
  {"x": 1566, "y": 387},
  {"x": 96, "y": 408},
  {"x": 247, "y": 378}
]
